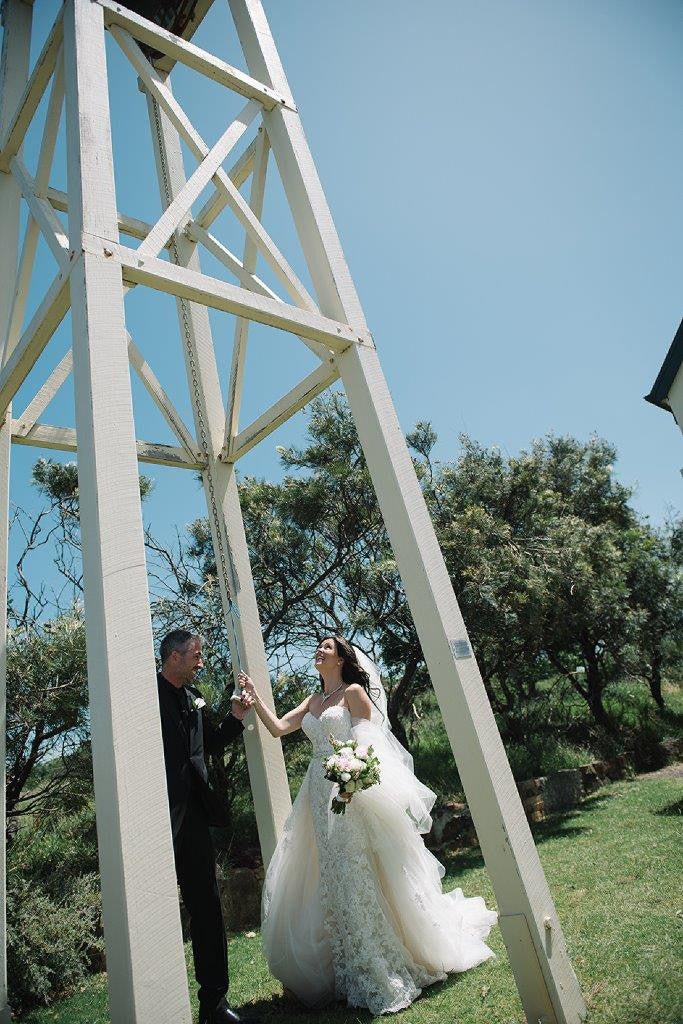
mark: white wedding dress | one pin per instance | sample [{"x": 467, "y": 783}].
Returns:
[{"x": 352, "y": 904}]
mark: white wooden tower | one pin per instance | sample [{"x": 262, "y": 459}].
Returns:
[{"x": 96, "y": 266}]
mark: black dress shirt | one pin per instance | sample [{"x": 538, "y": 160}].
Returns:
[{"x": 187, "y": 737}]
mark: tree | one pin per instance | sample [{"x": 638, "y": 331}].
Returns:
[
  {"x": 48, "y": 728},
  {"x": 535, "y": 546},
  {"x": 47, "y": 716},
  {"x": 655, "y": 580},
  {"x": 556, "y": 575}
]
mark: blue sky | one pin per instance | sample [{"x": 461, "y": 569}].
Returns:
[{"x": 505, "y": 179}]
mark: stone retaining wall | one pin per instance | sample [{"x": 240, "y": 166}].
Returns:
[{"x": 549, "y": 794}]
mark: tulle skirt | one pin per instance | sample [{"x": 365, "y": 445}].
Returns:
[{"x": 353, "y": 906}]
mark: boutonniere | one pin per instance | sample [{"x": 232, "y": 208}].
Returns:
[{"x": 198, "y": 703}]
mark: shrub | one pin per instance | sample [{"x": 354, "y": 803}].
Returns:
[
  {"x": 57, "y": 849},
  {"x": 52, "y": 944},
  {"x": 542, "y": 757}
]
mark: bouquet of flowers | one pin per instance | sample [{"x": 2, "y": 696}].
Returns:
[{"x": 352, "y": 767}]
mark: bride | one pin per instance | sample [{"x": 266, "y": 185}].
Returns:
[{"x": 352, "y": 904}]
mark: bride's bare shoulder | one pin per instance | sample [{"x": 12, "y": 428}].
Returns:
[
  {"x": 353, "y": 688},
  {"x": 357, "y": 698}
]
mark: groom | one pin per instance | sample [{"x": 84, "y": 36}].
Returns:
[{"x": 187, "y": 737}]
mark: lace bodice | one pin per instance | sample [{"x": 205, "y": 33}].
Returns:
[{"x": 335, "y": 720}]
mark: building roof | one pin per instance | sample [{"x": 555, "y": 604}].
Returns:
[{"x": 667, "y": 375}]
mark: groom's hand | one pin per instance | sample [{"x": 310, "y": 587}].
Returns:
[
  {"x": 239, "y": 706},
  {"x": 237, "y": 710}
]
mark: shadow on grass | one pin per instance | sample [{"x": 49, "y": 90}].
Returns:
[
  {"x": 674, "y": 810},
  {"x": 562, "y": 825},
  {"x": 287, "y": 1009}
]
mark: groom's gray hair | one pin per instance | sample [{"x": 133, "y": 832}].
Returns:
[{"x": 176, "y": 640}]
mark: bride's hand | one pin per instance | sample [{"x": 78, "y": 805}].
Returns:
[{"x": 247, "y": 687}]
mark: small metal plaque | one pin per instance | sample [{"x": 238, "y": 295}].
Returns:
[{"x": 461, "y": 649}]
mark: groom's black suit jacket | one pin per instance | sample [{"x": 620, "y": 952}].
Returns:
[{"x": 187, "y": 737}]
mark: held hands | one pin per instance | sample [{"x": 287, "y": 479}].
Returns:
[
  {"x": 237, "y": 708},
  {"x": 248, "y": 689},
  {"x": 241, "y": 705}
]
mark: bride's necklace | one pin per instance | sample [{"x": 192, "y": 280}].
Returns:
[{"x": 332, "y": 693}]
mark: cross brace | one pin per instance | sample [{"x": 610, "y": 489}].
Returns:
[{"x": 64, "y": 439}]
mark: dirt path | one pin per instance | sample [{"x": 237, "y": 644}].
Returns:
[{"x": 672, "y": 771}]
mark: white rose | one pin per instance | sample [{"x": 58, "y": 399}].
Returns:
[
  {"x": 346, "y": 776},
  {"x": 346, "y": 752},
  {"x": 357, "y": 765},
  {"x": 329, "y": 763}
]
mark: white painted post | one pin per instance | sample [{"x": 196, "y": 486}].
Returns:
[
  {"x": 16, "y": 45},
  {"x": 545, "y": 979},
  {"x": 239, "y": 345},
  {"x": 145, "y": 961},
  {"x": 267, "y": 770}
]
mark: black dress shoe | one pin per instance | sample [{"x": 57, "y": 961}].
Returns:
[{"x": 224, "y": 1014}]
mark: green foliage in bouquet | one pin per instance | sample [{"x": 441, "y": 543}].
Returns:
[{"x": 353, "y": 768}]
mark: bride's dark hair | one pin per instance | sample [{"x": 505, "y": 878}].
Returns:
[{"x": 352, "y": 671}]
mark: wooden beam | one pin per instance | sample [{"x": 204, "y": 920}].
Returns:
[
  {"x": 160, "y": 90},
  {"x": 299, "y": 396},
  {"x": 47, "y": 392},
  {"x": 238, "y": 174},
  {"x": 28, "y": 251},
  {"x": 64, "y": 439},
  {"x": 209, "y": 291},
  {"x": 187, "y": 53},
  {"x": 153, "y": 387},
  {"x": 131, "y": 226},
  {"x": 333, "y": 284},
  {"x": 201, "y": 8},
  {"x": 161, "y": 399},
  {"x": 53, "y": 118},
  {"x": 42, "y": 213},
  {"x": 33, "y": 93},
  {"x": 241, "y": 336},
  {"x": 45, "y": 322},
  {"x": 254, "y": 284},
  {"x": 14, "y": 64},
  {"x": 146, "y": 972},
  {"x": 177, "y": 211},
  {"x": 136, "y": 228},
  {"x": 196, "y": 233}
]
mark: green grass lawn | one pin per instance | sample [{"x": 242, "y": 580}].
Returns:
[{"x": 614, "y": 868}]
